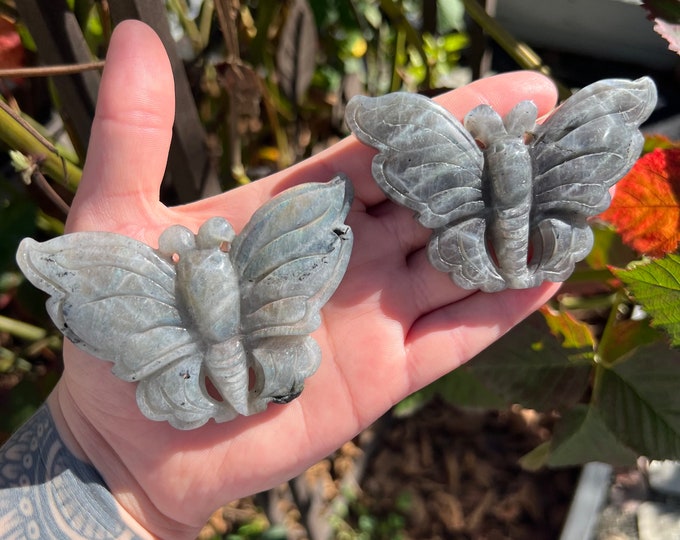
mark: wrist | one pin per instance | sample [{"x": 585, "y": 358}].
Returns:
[
  {"x": 46, "y": 491},
  {"x": 92, "y": 434}
]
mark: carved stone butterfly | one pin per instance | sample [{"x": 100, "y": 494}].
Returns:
[
  {"x": 508, "y": 199},
  {"x": 215, "y": 308}
]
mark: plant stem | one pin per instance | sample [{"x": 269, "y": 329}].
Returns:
[
  {"x": 181, "y": 9},
  {"x": 586, "y": 302},
  {"x": 608, "y": 334},
  {"x": 50, "y": 71},
  {"x": 590, "y": 275},
  {"x": 19, "y": 135},
  {"x": 520, "y": 52},
  {"x": 395, "y": 12},
  {"x": 21, "y": 329}
]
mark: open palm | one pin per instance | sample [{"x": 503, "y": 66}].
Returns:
[{"x": 394, "y": 324}]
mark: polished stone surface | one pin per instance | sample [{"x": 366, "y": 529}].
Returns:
[
  {"x": 210, "y": 309},
  {"x": 508, "y": 199}
]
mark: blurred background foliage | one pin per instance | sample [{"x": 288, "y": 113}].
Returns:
[{"x": 261, "y": 85}]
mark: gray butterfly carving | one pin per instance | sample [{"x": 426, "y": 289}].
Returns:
[
  {"x": 215, "y": 308},
  {"x": 508, "y": 199}
]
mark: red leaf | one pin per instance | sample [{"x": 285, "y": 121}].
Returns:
[
  {"x": 646, "y": 207},
  {"x": 11, "y": 50}
]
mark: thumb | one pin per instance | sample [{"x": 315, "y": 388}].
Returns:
[{"x": 130, "y": 135}]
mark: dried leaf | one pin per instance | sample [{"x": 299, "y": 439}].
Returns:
[
  {"x": 575, "y": 334},
  {"x": 656, "y": 287},
  {"x": 296, "y": 56},
  {"x": 646, "y": 207}
]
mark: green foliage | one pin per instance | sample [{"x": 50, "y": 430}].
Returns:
[
  {"x": 656, "y": 286},
  {"x": 367, "y": 526}
]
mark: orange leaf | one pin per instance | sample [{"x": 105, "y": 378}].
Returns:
[{"x": 646, "y": 206}]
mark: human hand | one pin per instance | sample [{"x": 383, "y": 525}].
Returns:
[{"x": 394, "y": 324}]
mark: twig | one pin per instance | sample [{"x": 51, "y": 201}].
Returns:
[
  {"x": 50, "y": 71},
  {"x": 42, "y": 183},
  {"x": 17, "y": 133},
  {"x": 227, "y": 12}
]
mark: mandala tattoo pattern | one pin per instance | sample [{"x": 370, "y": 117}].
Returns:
[{"x": 48, "y": 493}]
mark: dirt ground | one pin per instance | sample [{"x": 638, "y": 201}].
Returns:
[{"x": 439, "y": 473}]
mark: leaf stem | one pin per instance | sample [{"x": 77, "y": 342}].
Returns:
[{"x": 608, "y": 333}]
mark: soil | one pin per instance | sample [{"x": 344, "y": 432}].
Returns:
[{"x": 439, "y": 473}]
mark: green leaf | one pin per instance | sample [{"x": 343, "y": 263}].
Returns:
[
  {"x": 537, "y": 458},
  {"x": 608, "y": 249},
  {"x": 460, "y": 387},
  {"x": 582, "y": 436},
  {"x": 638, "y": 398},
  {"x": 529, "y": 366},
  {"x": 629, "y": 334},
  {"x": 450, "y": 16},
  {"x": 17, "y": 220},
  {"x": 656, "y": 286},
  {"x": 463, "y": 388}
]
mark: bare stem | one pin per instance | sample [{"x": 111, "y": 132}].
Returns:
[
  {"x": 21, "y": 329},
  {"x": 50, "y": 71}
]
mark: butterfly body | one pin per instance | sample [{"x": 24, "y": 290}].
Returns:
[
  {"x": 507, "y": 199},
  {"x": 209, "y": 325},
  {"x": 506, "y": 184}
]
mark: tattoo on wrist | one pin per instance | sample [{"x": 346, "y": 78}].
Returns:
[{"x": 47, "y": 492}]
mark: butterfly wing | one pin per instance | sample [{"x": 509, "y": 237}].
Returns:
[
  {"x": 290, "y": 258},
  {"x": 579, "y": 153},
  {"x": 427, "y": 161},
  {"x": 114, "y": 298}
]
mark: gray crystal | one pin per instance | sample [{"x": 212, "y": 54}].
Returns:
[
  {"x": 212, "y": 306},
  {"x": 508, "y": 199},
  {"x": 658, "y": 521}
]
